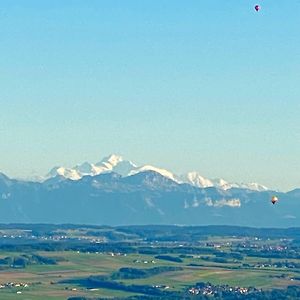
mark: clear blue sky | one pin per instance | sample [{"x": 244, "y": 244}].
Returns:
[{"x": 210, "y": 86}]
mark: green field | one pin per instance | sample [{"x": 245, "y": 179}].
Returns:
[
  {"x": 109, "y": 262},
  {"x": 43, "y": 280}
]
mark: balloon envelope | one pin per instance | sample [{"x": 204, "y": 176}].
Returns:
[{"x": 257, "y": 7}]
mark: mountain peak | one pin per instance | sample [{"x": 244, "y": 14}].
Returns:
[
  {"x": 160, "y": 171},
  {"x": 3, "y": 176},
  {"x": 196, "y": 179},
  {"x": 116, "y": 163},
  {"x": 64, "y": 172},
  {"x": 113, "y": 159}
]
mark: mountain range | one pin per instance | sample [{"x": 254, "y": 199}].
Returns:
[
  {"x": 115, "y": 163},
  {"x": 118, "y": 192}
]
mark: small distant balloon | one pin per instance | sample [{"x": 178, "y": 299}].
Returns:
[
  {"x": 257, "y": 7},
  {"x": 274, "y": 199}
]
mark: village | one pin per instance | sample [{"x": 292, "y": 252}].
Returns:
[
  {"x": 209, "y": 289},
  {"x": 16, "y": 285}
]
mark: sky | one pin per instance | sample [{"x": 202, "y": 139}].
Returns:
[{"x": 210, "y": 86}]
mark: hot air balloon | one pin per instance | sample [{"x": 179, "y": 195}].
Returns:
[
  {"x": 274, "y": 199},
  {"x": 257, "y": 7}
]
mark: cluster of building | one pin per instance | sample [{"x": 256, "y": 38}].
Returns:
[
  {"x": 116, "y": 254},
  {"x": 104, "y": 253},
  {"x": 210, "y": 289},
  {"x": 13, "y": 285},
  {"x": 161, "y": 286},
  {"x": 278, "y": 264},
  {"x": 137, "y": 261},
  {"x": 253, "y": 245}
]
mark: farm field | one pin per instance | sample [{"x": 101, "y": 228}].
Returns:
[{"x": 65, "y": 268}]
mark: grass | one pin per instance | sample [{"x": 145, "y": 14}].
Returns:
[{"x": 44, "y": 280}]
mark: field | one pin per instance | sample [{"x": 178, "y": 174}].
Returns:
[{"x": 217, "y": 260}]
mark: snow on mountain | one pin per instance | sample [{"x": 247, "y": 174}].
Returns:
[
  {"x": 112, "y": 163},
  {"x": 115, "y": 163},
  {"x": 124, "y": 168},
  {"x": 254, "y": 186},
  {"x": 223, "y": 184},
  {"x": 163, "y": 172},
  {"x": 86, "y": 169},
  {"x": 65, "y": 172},
  {"x": 196, "y": 179}
]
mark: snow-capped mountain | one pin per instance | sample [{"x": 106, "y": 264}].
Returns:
[
  {"x": 196, "y": 179},
  {"x": 146, "y": 197},
  {"x": 115, "y": 163},
  {"x": 162, "y": 172},
  {"x": 87, "y": 169},
  {"x": 254, "y": 186},
  {"x": 112, "y": 163},
  {"x": 64, "y": 172}
]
